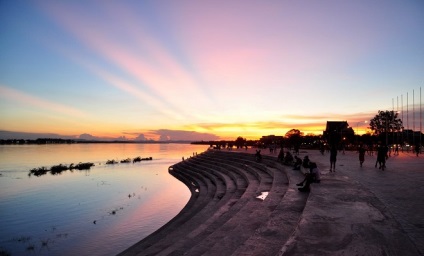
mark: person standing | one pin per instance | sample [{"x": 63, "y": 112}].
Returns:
[
  {"x": 417, "y": 149},
  {"x": 333, "y": 158},
  {"x": 382, "y": 156},
  {"x": 361, "y": 151},
  {"x": 397, "y": 150}
]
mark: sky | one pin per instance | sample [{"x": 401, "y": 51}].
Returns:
[{"x": 206, "y": 70}]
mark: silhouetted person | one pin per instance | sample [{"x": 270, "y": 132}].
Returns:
[
  {"x": 361, "y": 151},
  {"x": 417, "y": 149},
  {"x": 281, "y": 155},
  {"x": 306, "y": 162},
  {"x": 321, "y": 149},
  {"x": 258, "y": 155},
  {"x": 297, "y": 163},
  {"x": 288, "y": 159},
  {"x": 296, "y": 150},
  {"x": 314, "y": 175},
  {"x": 382, "y": 156},
  {"x": 333, "y": 158}
]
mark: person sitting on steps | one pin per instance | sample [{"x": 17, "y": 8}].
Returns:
[
  {"x": 288, "y": 159},
  {"x": 306, "y": 162},
  {"x": 312, "y": 177},
  {"x": 297, "y": 163},
  {"x": 258, "y": 156}
]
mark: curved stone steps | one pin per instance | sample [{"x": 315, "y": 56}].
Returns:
[
  {"x": 225, "y": 217},
  {"x": 280, "y": 224},
  {"x": 187, "y": 167},
  {"x": 203, "y": 220},
  {"x": 244, "y": 223},
  {"x": 202, "y": 162},
  {"x": 226, "y": 178},
  {"x": 272, "y": 235},
  {"x": 210, "y": 159},
  {"x": 246, "y": 220},
  {"x": 280, "y": 181},
  {"x": 223, "y": 213},
  {"x": 247, "y": 168},
  {"x": 203, "y": 211},
  {"x": 196, "y": 202},
  {"x": 276, "y": 177}
]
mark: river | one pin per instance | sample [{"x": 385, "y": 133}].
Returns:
[{"x": 100, "y": 211}]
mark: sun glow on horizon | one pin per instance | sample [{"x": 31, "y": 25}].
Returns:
[{"x": 157, "y": 70}]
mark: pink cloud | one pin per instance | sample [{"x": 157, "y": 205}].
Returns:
[
  {"x": 139, "y": 55},
  {"x": 26, "y": 99}
]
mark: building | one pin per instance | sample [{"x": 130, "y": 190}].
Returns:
[
  {"x": 337, "y": 132},
  {"x": 271, "y": 139}
]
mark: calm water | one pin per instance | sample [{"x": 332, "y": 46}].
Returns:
[{"x": 54, "y": 214}]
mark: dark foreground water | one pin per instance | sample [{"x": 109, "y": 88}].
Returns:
[{"x": 97, "y": 212}]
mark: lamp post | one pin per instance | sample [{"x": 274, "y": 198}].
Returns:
[
  {"x": 396, "y": 127},
  {"x": 387, "y": 137}
]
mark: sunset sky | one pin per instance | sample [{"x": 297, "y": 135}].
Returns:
[{"x": 205, "y": 69}]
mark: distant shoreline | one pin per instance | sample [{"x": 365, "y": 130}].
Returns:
[{"x": 43, "y": 141}]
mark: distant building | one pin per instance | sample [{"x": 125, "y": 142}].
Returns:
[
  {"x": 409, "y": 136},
  {"x": 338, "y": 132},
  {"x": 271, "y": 139}
]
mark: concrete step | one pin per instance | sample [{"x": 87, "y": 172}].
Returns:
[
  {"x": 223, "y": 215},
  {"x": 244, "y": 224},
  {"x": 197, "y": 201},
  {"x": 202, "y": 217}
]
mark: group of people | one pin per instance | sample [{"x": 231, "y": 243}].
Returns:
[{"x": 382, "y": 156}]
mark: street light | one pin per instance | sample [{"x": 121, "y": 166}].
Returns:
[
  {"x": 397, "y": 131},
  {"x": 387, "y": 138}
]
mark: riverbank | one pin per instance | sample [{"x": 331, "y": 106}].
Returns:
[{"x": 347, "y": 213}]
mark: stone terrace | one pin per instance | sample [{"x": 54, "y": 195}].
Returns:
[{"x": 340, "y": 216}]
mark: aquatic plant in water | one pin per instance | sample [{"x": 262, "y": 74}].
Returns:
[
  {"x": 139, "y": 159},
  {"x": 83, "y": 166},
  {"x": 111, "y": 162},
  {"x": 128, "y": 160},
  {"x": 57, "y": 169},
  {"x": 38, "y": 171}
]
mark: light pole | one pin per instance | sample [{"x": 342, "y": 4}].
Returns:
[
  {"x": 395, "y": 114},
  {"x": 387, "y": 137}
]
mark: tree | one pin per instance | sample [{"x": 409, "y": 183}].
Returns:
[
  {"x": 385, "y": 122},
  {"x": 240, "y": 142},
  {"x": 294, "y": 137}
]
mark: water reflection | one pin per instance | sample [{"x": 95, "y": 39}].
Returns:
[
  {"x": 70, "y": 213},
  {"x": 263, "y": 195}
]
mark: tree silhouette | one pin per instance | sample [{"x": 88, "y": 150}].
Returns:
[
  {"x": 240, "y": 142},
  {"x": 294, "y": 138},
  {"x": 385, "y": 122}
]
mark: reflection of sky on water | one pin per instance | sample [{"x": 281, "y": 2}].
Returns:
[
  {"x": 62, "y": 208},
  {"x": 263, "y": 195}
]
